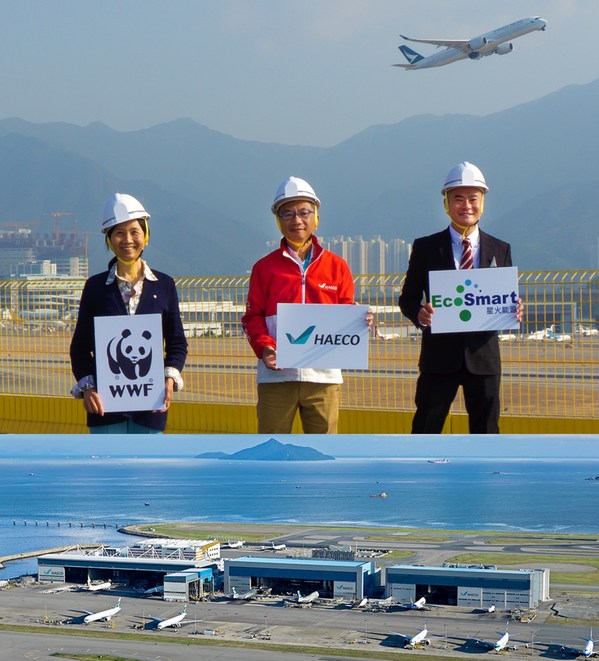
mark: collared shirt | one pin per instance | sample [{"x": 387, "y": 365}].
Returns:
[
  {"x": 130, "y": 293},
  {"x": 456, "y": 246}
]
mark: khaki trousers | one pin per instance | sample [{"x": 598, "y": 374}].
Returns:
[{"x": 318, "y": 405}]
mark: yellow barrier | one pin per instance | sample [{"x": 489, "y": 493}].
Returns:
[{"x": 549, "y": 380}]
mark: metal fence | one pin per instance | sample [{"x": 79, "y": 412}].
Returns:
[{"x": 550, "y": 367}]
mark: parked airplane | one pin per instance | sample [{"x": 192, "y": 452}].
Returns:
[
  {"x": 175, "y": 621},
  {"x": 105, "y": 615},
  {"x": 418, "y": 605},
  {"x": 416, "y": 640},
  {"x": 501, "y": 644},
  {"x": 308, "y": 599},
  {"x": 158, "y": 589},
  {"x": 236, "y": 544},
  {"x": 274, "y": 547},
  {"x": 587, "y": 651},
  {"x": 377, "y": 605},
  {"x": 496, "y": 41},
  {"x": 94, "y": 587},
  {"x": 360, "y": 604},
  {"x": 587, "y": 332},
  {"x": 250, "y": 594}
]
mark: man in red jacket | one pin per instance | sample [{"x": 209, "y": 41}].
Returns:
[{"x": 298, "y": 271}]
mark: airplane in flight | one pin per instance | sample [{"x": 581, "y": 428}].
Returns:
[
  {"x": 417, "y": 640},
  {"x": 94, "y": 587},
  {"x": 250, "y": 594},
  {"x": 587, "y": 651},
  {"x": 105, "y": 615},
  {"x": 499, "y": 645},
  {"x": 175, "y": 621},
  {"x": 493, "y": 42}
]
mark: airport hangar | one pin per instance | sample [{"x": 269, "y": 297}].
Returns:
[
  {"x": 476, "y": 587},
  {"x": 182, "y": 578},
  {"x": 330, "y": 578}
]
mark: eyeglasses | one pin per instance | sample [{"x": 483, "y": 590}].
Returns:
[{"x": 304, "y": 214}]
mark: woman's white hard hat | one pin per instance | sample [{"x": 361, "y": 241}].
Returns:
[
  {"x": 464, "y": 175},
  {"x": 121, "y": 207},
  {"x": 293, "y": 188}
]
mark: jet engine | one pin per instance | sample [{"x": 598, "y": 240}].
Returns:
[
  {"x": 504, "y": 49},
  {"x": 477, "y": 43}
]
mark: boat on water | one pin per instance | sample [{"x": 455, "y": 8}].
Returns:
[
  {"x": 438, "y": 461},
  {"x": 383, "y": 494}
]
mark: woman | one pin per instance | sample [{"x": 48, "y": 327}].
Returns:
[{"x": 128, "y": 287}]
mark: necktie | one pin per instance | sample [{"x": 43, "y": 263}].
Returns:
[{"x": 466, "y": 262}]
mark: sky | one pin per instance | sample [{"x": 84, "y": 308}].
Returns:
[
  {"x": 358, "y": 445},
  {"x": 314, "y": 72}
]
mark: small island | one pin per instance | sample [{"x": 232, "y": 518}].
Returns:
[{"x": 271, "y": 450}]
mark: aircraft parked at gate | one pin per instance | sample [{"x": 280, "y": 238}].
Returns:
[
  {"x": 175, "y": 621},
  {"x": 587, "y": 651},
  {"x": 416, "y": 640},
  {"x": 493, "y": 42},
  {"x": 105, "y": 615}
]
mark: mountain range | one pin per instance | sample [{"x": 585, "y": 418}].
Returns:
[{"x": 209, "y": 194}]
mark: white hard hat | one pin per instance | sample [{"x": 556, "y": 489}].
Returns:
[
  {"x": 293, "y": 188},
  {"x": 463, "y": 175},
  {"x": 121, "y": 207}
]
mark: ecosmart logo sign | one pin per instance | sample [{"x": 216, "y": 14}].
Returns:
[
  {"x": 479, "y": 299},
  {"x": 336, "y": 337}
]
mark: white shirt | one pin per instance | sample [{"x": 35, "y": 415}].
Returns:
[{"x": 456, "y": 246}]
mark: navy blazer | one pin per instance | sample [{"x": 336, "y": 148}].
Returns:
[
  {"x": 446, "y": 353},
  {"x": 101, "y": 300}
]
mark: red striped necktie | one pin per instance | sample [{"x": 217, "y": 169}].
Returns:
[{"x": 466, "y": 262}]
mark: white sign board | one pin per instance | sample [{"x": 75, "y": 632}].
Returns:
[
  {"x": 130, "y": 362},
  {"x": 474, "y": 300},
  {"x": 326, "y": 336}
]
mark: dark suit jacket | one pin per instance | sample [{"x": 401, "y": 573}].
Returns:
[
  {"x": 101, "y": 300},
  {"x": 445, "y": 353}
]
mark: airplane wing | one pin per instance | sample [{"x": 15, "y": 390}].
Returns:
[{"x": 449, "y": 43}]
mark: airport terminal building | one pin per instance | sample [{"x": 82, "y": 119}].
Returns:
[{"x": 476, "y": 587}]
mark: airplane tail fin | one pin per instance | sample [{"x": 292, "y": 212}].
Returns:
[{"x": 411, "y": 55}]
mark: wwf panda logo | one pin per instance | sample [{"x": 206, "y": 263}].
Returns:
[{"x": 131, "y": 354}]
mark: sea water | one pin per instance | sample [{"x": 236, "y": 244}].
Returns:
[{"x": 92, "y": 498}]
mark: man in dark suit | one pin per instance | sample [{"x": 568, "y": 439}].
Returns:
[{"x": 450, "y": 360}]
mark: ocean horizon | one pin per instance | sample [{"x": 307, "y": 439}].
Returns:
[{"x": 518, "y": 495}]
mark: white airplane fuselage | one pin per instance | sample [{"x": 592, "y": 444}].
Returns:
[
  {"x": 94, "y": 587},
  {"x": 420, "y": 637},
  {"x": 172, "y": 621},
  {"x": 419, "y": 604},
  {"x": 477, "y": 47},
  {"x": 106, "y": 615},
  {"x": 308, "y": 599},
  {"x": 502, "y": 642}
]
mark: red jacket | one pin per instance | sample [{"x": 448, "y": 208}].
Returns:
[{"x": 278, "y": 278}]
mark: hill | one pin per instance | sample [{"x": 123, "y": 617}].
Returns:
[
  {"x": 271, "y": 450},
  {"x": 209, "y": 194}
]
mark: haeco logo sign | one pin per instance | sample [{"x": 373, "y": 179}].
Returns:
[
  {"x": 337, "y": 339},
  {"x": 495, "y": 303}
]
